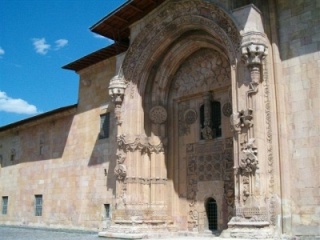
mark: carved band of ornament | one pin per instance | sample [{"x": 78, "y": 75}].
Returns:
[
  {"x": 146, "y": 181},
  {"x": 138, "y": 143},
  {"x": 148, "y": 41},
  {"x": 254, "y": 214}
]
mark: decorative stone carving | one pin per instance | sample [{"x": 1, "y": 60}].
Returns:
[
  {"x": 248, "y": 159},
  {"x": 241, "y": 119},
  {"x": 147, "y": 41},
  {"x": 227, "y": 109},
  {"x": 158, "y": 114},
  {"x": 253, "y": 54},
  {"x": 129, "y": 143},
  {"x": 120, "y": 171},
  {"x": 146, "y": 181},
  {"x": 117, "y": 87},
  {"x": 121, "y": 156},
  {"x": 203, "y": 70},
  {"x": 190, "y": 116}
]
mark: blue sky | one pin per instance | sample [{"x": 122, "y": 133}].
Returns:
[{"x": 37, "y": 38}]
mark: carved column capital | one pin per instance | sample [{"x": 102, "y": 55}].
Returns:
[
  {"x": 254, "y": 53},
  {"x": 117, "y": 86}
]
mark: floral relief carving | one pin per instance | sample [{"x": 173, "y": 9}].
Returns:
[
  {"x": 190, "y": 116},
  {"x": 205, "y": 69},
  {"x": 131, "y": 143},
  {"x": 248, "y": 159}
]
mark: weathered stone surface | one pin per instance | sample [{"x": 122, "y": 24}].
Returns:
[{"x": 171, "y": 152}]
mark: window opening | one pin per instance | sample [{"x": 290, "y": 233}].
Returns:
[
  {"x": 104, "y": 126},
  {"x": 107, "y": 210},
  {"x": 216, "y": 118},
  {"x": 210, "y": 120},
  {"x": 13, "y": 155},
  {"x": 38, "y": 205},
  {"x": 212, "y": 214},
  {"x": 4, "y": 205}
]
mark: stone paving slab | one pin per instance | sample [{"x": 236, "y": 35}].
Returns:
[{"x": 25, "y": 233}]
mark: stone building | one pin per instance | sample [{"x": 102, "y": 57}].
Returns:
[{"x": 201, "y": 118}]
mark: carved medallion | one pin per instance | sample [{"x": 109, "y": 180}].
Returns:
[
  {"x": 158, "y": 114},
  {"x": 190, "y": 116},
  {"x": 227, "y": 109}
]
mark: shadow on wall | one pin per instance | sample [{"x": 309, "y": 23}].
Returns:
[
  {"x": 104, "y": 151},
  {"x": 44, "y": 141}
]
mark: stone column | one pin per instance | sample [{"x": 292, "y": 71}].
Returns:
[{"x": 248, "y": 125}]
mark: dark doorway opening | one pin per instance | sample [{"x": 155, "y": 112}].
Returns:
[{"x": 212, "y": 214}]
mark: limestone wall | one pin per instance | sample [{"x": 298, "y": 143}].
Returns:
[
  {"x": 299, "y": 86},
  {"x": 62, "y": 159}
]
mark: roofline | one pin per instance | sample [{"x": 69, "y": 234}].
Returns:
[
  {"x": 96, "y": 57},
  {"x": 38, "y": 117},
  {"x": 110, "y": 14}
]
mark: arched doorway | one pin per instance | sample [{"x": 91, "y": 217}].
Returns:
[
  {"x": 212, "y": 214},
  {"x": 177, "y": 71}
]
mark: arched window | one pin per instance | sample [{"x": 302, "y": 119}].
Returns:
[
  {"x": 210, "y": 120},
  {"x": 212, "y": 214}
]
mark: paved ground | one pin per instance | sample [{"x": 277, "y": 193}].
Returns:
[
  {"x": 16, "y": 233},
  {"x": 24, "y": 233}
]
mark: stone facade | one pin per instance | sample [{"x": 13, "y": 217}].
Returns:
[{"x": 214, "y": 128}]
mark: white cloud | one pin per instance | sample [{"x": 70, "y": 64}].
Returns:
[
  {"x": 41, "y": 46},
  {"x": 15, "y": 105},
  {"x": 1, "y": 52},
  {"x": 60, "y": 43},
  {"x": 98, "y": 36},
  {"x": 102, "y": 37}
]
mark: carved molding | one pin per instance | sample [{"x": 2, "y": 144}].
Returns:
[
  {"x": 146, "y": 181},
  {"x": 131, "y": 143},
  {"x": 164, "y": 25}
]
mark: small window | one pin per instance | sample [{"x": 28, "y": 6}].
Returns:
[
  {"x": 38, "y": 205},
  {"x": 4, "y": 205},
  {"x": 216, "y": 118},
  {"x": 13, "y": 155},
  {"x": 107, "y": 210},
  {"x": 104, "y": 126}
]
